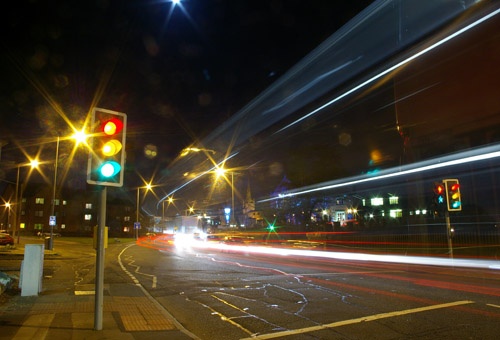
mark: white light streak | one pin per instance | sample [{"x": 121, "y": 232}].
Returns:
[
  {"x": 396, "y": 66},
  {"x": 460, "y": 158},
  {"x": 416, "y": 260}
]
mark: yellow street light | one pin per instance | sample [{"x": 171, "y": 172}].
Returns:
[
  {"x": 8, "y": 206},
  {"x": 186, "y": 151},
  {"x": 79, "y": 137},
  {"x": 148, "y": 187},
  {"x": 221, "y": 172},
  {"x": 17, "y": 208}
]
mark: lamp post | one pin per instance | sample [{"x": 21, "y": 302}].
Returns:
[
  {"x": 221, "y": 172},
  {"x": 78, "y": 137},
  {"x": 17, "y": 208},
  {"x": 52, "y": 221},
  {"x": 232, "y": 197},
  {"x": 136, "y": 225},
  {"x": 8, "y": 205},
  {"x": 187, "y": 151},
  {"x": 18, "y": 197}
]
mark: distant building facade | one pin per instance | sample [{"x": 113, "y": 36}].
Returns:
[{"x": 75, "y": 212}]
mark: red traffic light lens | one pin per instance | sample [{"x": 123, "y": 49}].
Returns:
[
  {"x": 438, "y": 189},
  {"x": 112, "y": 126},
  {"x": 455, "y": 187}
]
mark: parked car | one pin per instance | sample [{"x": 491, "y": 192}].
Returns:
[
  {"x": 6, "y": 239},
  {"x": 44, "y": 235}
]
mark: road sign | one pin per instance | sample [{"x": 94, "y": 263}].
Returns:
[
  {"x": 137, "y": 225},
  {"x": 52, "y": 221}
]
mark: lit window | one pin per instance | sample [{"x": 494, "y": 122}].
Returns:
[
  {"x": 377, "y": 201},
  {"x": 393, "y": 200},
  {"x": 88, "y": 217},
  {"x": 39, "y": 200},
  {"x": 126, "y": 218},
  {"x": 56, "y": 202},
  {"x": 396, "y": 213},
  {"x": 65, "y": 202},
  {"x": 88, "y": 205}
]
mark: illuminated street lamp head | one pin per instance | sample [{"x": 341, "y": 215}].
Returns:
[
  {"x": 79, "y": 137},
  {"x": 34, "y": 163},
  {"x": 219, "y": 171},
  {"x": 186, "y": 151}
]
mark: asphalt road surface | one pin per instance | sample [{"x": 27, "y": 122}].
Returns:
[{"x": 239, "y": 293}]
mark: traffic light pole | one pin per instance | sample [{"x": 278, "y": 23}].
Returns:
[
  {"x": 99, "y": 272},
  {"x": 449, "y": 234}
]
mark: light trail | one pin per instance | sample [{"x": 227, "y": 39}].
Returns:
[
  {"x": 395, "y": 67},
  {"x": 402, "y": 259},
  {"x": 465, "y": 157}
]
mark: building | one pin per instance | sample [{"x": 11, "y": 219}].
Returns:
[{"x": 75, "y": 212}]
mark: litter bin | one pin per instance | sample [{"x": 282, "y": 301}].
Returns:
[{"x": 49, "y": 243}]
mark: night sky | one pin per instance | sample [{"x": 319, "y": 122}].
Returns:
[{"x": 176, "y": 71}]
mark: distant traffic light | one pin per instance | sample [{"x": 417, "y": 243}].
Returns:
[
  {"x": 439, "y": 193},
  {"x": 453, "y": 197},
  {"x": 106, "y": 161}
]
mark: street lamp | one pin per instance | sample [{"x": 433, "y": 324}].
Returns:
[
  {"x": 136, "y": 225},
  {"x": 79, "y": 137},
  {"x": 220, "y": 171},
  {"x": 187, "y": 151},
  {"x": 7, "y": 206},
  {"x": 52, "y": 220},
  {"x": 17, "y": 208}
]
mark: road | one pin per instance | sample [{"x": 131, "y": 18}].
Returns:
[
  {"x": 233, "y": 294},
  {"x": 239, "y": 292}
]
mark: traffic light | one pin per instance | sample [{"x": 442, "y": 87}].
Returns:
[
  {"x": 106, "y": 161},
  {"x": 439, "y": 193},
  {"x": 453, "y": 199}
]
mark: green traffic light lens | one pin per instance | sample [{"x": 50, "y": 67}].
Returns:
[{"x": 109, "y": 169}]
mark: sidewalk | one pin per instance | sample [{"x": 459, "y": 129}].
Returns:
[{"x": 129, "y": 312}]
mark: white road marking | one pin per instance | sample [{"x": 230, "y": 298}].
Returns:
[
  {"x": 357, "y": 320},
  {"x": 134, "y": 279}
]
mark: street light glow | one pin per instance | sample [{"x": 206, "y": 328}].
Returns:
[
  {"x": 34, "y": 163},
  {"x": 187, "y": 151},
  {"x": 219, "y": 171},
  {"x": 79, "y": 137}
]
